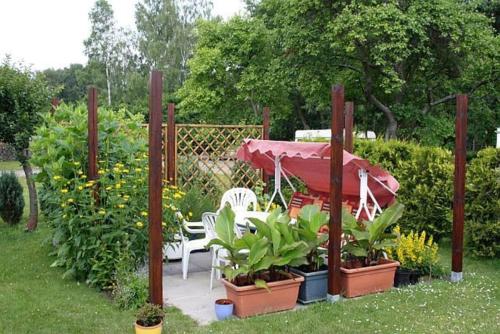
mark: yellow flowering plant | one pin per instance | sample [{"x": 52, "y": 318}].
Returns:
[
  {"x": 96, "y": 223},
  {"x": 415, "y": 251}
]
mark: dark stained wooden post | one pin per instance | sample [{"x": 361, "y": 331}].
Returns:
[
  {"x": 348, "y": 127},
  {"x": 155, "y": 189},
  {"x": 336, "y": 163},
  {"x": 459, "y": 193},
  {"x": 92, "y": 133},
  {"x": 171, "y": 134},
  {"x": 54, "y": 103},
  {"x": 265, "y": 136}
]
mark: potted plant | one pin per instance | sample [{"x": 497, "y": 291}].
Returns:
[
  {"x": 365, "y": 269},
  {"x": 315, "y": 286},
  {"x": 417, "y": 255},
  {"x": 224, "y": 308},
  {"x": 149, "y": 319},
  {"x": 256, "y": 275}
]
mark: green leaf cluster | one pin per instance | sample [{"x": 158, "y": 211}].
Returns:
[{"x": 11, "y": 198}]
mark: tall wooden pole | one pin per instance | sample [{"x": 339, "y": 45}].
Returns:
[
  {"x": 171, "y": 134},
  {"x": 265, "y": 136},
  {"x": 54, "y": 103},
  {"x": 336, "y": 163},
  {"x": 155, "y": 189},
  {"x": 348, "y": 127},
  {"x": 92, "y": 133},
  {"x": 459, "y": 188}
]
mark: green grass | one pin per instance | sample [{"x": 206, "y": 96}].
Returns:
[
  {"x": 10, "y": 165},
  {"x": 35, "y": 299}
]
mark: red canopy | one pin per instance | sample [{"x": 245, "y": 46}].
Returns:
[{"x": 310, "y": 162}]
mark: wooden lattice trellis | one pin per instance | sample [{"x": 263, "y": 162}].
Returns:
[{"x": 206, "y": 157}]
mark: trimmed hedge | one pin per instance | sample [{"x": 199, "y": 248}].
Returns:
[
  {"x": 425, "y": 175},
  {"x": 482, "y": 211},
  {"x": 11, "y": 198}
]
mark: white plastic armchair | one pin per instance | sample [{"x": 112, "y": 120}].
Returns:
[
  {"x": 240, "y": 199},
  {"x": 189, "y": 246}
]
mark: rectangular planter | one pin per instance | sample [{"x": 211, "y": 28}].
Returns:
[
  {"x": 315, "y": 286},
  {"x": 366, "y": 280},
  {"x": 250, "y": 300}
]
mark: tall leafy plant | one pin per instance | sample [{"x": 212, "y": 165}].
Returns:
[{"x": 309, "y": 222}]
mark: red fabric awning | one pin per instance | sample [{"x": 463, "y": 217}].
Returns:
[{"x": 310, "y": 162}]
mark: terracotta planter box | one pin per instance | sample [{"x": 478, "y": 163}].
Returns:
[
  {"x": 366, "y": 280},
  {"x": 250, "y": 300}
]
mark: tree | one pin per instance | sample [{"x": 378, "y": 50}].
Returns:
[
  {"x": 101, "y": 44},
  {"x": 23, "y": 97}
]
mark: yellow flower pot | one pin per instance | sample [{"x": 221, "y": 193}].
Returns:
[{"x": 148, "y": 330}]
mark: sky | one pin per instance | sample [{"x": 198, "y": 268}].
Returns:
[{"x": 50, "y": 33}]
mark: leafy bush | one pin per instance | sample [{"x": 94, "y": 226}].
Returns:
[
  {"x": 11, "y": 199},
  {"x": 92, "y": 233},
  {"x": 425, "y": 175},
  {"x": 130, "y": 290},
  {"x": 483, "y": 204},
  {"x": 195, "y": 203}
]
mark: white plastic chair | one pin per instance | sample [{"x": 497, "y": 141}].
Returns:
[
  {"x": 189, "y": 246},
  {"x": 219, "y": 254},
  {"x": 239, "y": 199}
]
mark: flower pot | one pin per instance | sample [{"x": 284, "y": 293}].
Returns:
[
  {"x": 315, "y": 285},
  {"x": 415, "y": 276},
  {"x": 224, "y": 309},
  {"x": 148, "y": 330},
  {"x": 366, "y": 280},
  {"x": 251, "y": 300},
  {"x": 402, "y": 277}
]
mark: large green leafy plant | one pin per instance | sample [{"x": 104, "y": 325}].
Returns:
[
  {"x": 366, "y": 241},
  {"x": 97, "y": 223},
  {"x": 261, "y": 257},
  {"x": 309, "y": 222}
]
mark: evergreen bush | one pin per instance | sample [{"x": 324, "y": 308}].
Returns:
[{"x": 11, "y": 199}]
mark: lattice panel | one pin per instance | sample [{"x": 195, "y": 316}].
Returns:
[{"x": 206, "y": 157}]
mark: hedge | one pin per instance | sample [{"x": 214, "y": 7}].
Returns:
[
  {"x": 425, "y": 175},
  {"x": 482, "y": 211}
]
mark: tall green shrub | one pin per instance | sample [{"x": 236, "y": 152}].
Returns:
[
  {"x": 92, "y": 237},
  {"x": 11, "y": 198},
  {"x": 483, "y": 204},
  {"x": 425, "y": 175}
]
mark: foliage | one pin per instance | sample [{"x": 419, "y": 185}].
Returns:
[
  {"x": 130, "y": 290},
  {"x": 261, "y": 257},
  {"x": 309, "y": 222},
  {"x": 482, "y": 211},
  {"x": 150, "y": 315},
  {"x": 415, "y": 252},
  {"x": 11, "y": 198},
  {"x": 96, "y": 223},
  {"x": 425, "y": 175},
  {"x": 195, "y": 203},
  {"x": 367, "y": 240}
]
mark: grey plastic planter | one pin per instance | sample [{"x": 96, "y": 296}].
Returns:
[{"x": 315, "y": 286}]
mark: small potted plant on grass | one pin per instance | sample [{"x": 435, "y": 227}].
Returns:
[
  {"x": 365, "y": 269},
  {"x": 256, "y": 275},
  {"x": 149, "y": 319},
  {"x": 417, "y": 255},
  {"x": 315, "y": 287}
]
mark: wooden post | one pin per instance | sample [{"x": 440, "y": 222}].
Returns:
[
  {"x": 265, "y": 136},
  {"x": 54, "y": 103},
  {"x": 155, "y": 189},
  {"x": 336, "y": 164},
  {"x": 459, "y": 191},
  {"x": 348, "y": 127},
  {"x": 92, "y": 133},
  {"x": 171, "y": 134}
]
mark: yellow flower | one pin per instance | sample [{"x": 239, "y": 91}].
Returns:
[
  {"x": 76, "y": 163},
  {"x": 116, "y": 169},
  {"x": 101, "y": 172},
  {"x": 109, "y": 188},
  {"x": 126, "y": 171},
  {"x": 63, "y": 205},
  {"x": 83, "y": 176},
  {"x": 57, "y": 177},
  {"x": 138, "y": 170},
  {"x": 118, "y": 186},
  {"x": 70, "y": 200},
  {"x": 121, "y": 206},
  {"x": 144, "y": 213},
  {"x": 80, "y": 172},
  {"x": 102, "y": 212},
  {"x": 190, "y": 214},
  {"x": 177, "y": 196},
  {"x": 64, "y": 191},
  {"x": 164, "y": 224},
  {"x": 139, "y": 224}
]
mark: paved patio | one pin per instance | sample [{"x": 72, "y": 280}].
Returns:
[{"x": 192, "y": 296}]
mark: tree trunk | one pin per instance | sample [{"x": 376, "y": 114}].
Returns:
[
  {"x": 392, "y": 126},
  {"x": 108, "y": 83},
  {"x": 33, "y": 198}
]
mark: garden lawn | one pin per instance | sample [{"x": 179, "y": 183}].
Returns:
[
  {"x": 35, "y": 299},
  {"x": 10, "y": 165}
]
